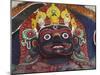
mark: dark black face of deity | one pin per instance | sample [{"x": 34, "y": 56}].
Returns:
[{"x": 55, "y": 41}]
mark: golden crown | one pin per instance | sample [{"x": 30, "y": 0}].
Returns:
[{"x": 54, "y": 14}]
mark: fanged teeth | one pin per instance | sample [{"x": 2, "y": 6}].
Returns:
[{"x": 58, "y": 47}]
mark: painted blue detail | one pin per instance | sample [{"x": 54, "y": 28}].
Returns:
[{"x": 90, "y": 27}]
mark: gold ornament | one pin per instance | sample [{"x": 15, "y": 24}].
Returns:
[
  {"x": 40, "y": 17},
  {"x": 34, "y": 23},
  {"x": 66, "y": 16},
  {"x": 74, "y": 24},
  {"x": 53, "y": 13}
]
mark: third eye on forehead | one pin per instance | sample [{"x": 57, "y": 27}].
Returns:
[
  {"x": 49, "y": 29},
  {"x": 54, "y": 27}
]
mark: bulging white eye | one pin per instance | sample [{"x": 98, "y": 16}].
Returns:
[
  {"x": 65, "y": 35},
  {"x": 47, "y": 36}
]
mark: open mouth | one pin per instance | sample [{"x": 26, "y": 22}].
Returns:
[
  {"x": 61, "y": 48},
  {"x": 58, "y": 46}
]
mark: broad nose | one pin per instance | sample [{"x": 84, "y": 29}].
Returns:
[{"x": 57, "y": 38}]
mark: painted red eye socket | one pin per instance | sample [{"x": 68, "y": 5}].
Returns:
[
  {"x": 65, "y": 35},
  {"x": 47, "y": 36}
]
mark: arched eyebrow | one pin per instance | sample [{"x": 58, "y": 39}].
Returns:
[{"x": 44, "y": 31}]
